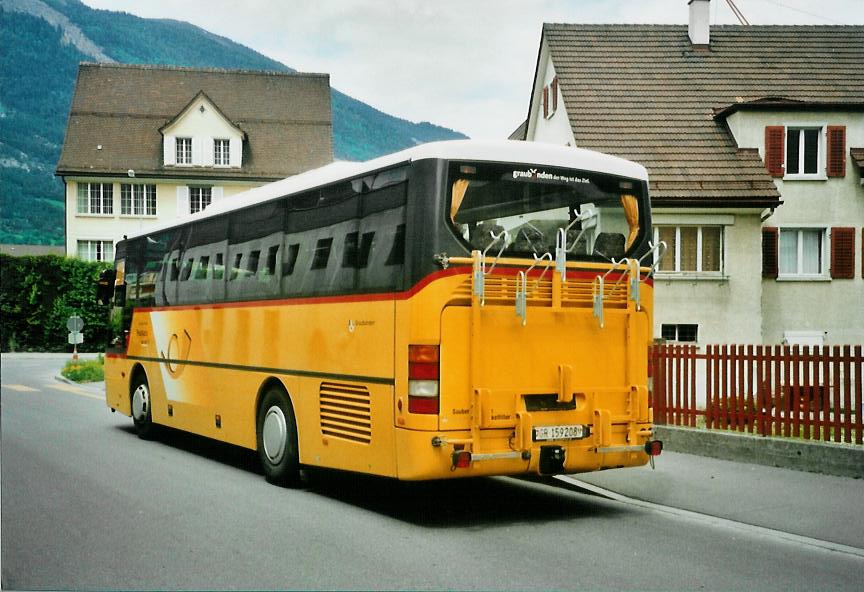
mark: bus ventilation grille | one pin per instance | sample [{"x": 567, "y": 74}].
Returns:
[{"x": 346, "y": 412}]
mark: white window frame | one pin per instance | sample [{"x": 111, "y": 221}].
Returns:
[
  {"x": 133, "y": 207},
  {"x": 96, "y": 249},
  {"x": 105, "y": 207},
  {"x": 821, "y": 147},
  {"x": 183, "y": 148},
  {"x": 675, "y": 252},
  {"x": 196, "y": 198},
  {"x": 678, "y": 331},
  {"x": 221, "y": 152},
  {"x": 824, "y": 272}
]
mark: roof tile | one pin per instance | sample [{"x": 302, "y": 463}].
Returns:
[{"x": 643, "y": 92}]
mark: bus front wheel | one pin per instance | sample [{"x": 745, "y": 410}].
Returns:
[
  {"x": 277, "y": 439},
  {"x": 142, "y": 414}
]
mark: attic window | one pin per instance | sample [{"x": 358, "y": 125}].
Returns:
[{"x": 550, "y": 98}]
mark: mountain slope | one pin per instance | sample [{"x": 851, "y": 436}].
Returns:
[{"x": 44, "y": 40}]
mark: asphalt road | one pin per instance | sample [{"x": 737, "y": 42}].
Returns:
[{"x": 87, "y": 505}]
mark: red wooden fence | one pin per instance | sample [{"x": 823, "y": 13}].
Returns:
[{"x": 793, "y": 391}]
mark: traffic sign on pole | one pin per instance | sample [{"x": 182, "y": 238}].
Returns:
[{"x": 75, "y": 324}]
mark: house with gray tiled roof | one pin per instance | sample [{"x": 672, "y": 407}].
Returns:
[
  {"x": 146, "y": 144},
  {"x": 753, "y": 137}
]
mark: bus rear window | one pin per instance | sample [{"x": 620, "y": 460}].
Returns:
[{"x": 600, "y": 213}]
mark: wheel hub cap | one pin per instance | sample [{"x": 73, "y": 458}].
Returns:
[
  {"x": 140, "y": 402},
  {"x": 274, "y": 434}
]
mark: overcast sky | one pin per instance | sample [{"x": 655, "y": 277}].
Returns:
[{"x": 463, "y": 64}]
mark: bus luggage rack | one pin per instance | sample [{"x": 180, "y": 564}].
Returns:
[{"x": 577, "y": 292}]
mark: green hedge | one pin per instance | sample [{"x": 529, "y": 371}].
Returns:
[{"x": 37, "y": 297}]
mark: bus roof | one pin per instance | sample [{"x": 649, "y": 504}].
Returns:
[{"x": 504, "y": 151}]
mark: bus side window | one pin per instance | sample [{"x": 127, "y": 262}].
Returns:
[
  {"x": 201, "y": 270},
  {"x": 288, "y": 264},
  {"x": 357, "y": 249},
  {"x": 235, "y": 271},
  {"x": 322, "y": 253},
  {"x": 187, "y": 270},
  {"x": 351, "y": 251},
  {"x": 397, "y": 251},
  {"x": 219, "y": 267},
  {"x": 252, "y": 264},
  {"x": 269, "y": 269}
]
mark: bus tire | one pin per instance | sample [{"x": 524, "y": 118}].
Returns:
[
  {"x": 276, "y": 432},
  {"x": 141, "y": 406}
]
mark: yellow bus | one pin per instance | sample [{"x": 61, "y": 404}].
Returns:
[{"x": 454, "y": 310}]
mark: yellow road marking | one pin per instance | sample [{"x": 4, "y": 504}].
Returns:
[
  {"x": 20, "y": 388},
  {"x": 74, "y": 390}
]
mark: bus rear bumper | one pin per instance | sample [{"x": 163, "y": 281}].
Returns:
[{"x": 444, "y": 455}]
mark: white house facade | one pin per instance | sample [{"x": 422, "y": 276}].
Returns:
[
  {"x": 692, "y": 104},
  {"x": 147, "y": 144}
]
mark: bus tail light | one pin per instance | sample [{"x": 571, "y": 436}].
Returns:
[
  {"x": 423, "y": 379},
  {"x": 653, "y": 448},
  {"x": 461, "y": 459}
]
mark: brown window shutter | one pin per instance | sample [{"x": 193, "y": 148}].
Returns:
[
  {"x": 545, "y": 102},
  {"x": 775, "y": 138},
  {"x": 836, "y": 161},
  {"x": 770, "y": 237},
  {"x": 554, "y": 94},
  {"x": 842, "y": 253}
]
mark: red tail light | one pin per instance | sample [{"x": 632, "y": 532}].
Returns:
[
  {"x": 423, "y": 375},
  {"x": 653, "y": 448},
  {"x": 126, "y": 339},
  {"x": 461, "y": 459}
]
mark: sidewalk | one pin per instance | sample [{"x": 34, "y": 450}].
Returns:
[{"x": 822, "y": 507}]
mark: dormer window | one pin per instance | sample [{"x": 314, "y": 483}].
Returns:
[
  {"x": 221, "y": 152},
  {"x": 202, "y": 136},
  {"x": 183, "y": 150}
]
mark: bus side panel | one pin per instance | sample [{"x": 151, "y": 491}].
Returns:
[
  {"x": 208, "y": 364},
  {"x": 117, "y": 369}
]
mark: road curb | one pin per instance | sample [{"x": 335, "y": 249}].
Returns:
[
  {"x": 828, "y": 458},
  {"x": 96, "y": 387}
]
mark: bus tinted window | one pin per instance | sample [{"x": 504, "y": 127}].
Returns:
[
  {"x": 531, "y": 204},
  {"x": 293, "y": 252},
  {"x": 322, "y": 253}
]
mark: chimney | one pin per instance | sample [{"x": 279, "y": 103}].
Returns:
[{"x": 699, "y": 29}]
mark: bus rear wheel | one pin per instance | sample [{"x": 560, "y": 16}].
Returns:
[
  {"x": 276, "y": 432},
  {"x": 142, "y": 413}
]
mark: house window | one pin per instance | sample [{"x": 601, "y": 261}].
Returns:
[
  {"x": 96, "y": 250},
  {"x": 802, "y": 252},
  {"x": 803, "y": 149},
  {"x": 183, "y": 150},
  {"x": 137, "y": 200},
  {"x": 221, "y": 155},
  {"x": 550, "y": 98},
  {"x": 199, "y": 198},
  {"x": 688, "y": 333},
  {"x": 95, "y": 198},
  {"x": 691, "y": 249}
]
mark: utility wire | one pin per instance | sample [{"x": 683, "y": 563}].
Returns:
[
  {"x": 740, "y": 15},
  {"x": 798, "y": 10}
]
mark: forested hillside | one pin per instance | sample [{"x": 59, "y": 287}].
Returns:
[{"x": 42, "y": 43}]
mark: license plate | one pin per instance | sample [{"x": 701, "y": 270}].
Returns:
[{"x": 565, "y": 432}]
